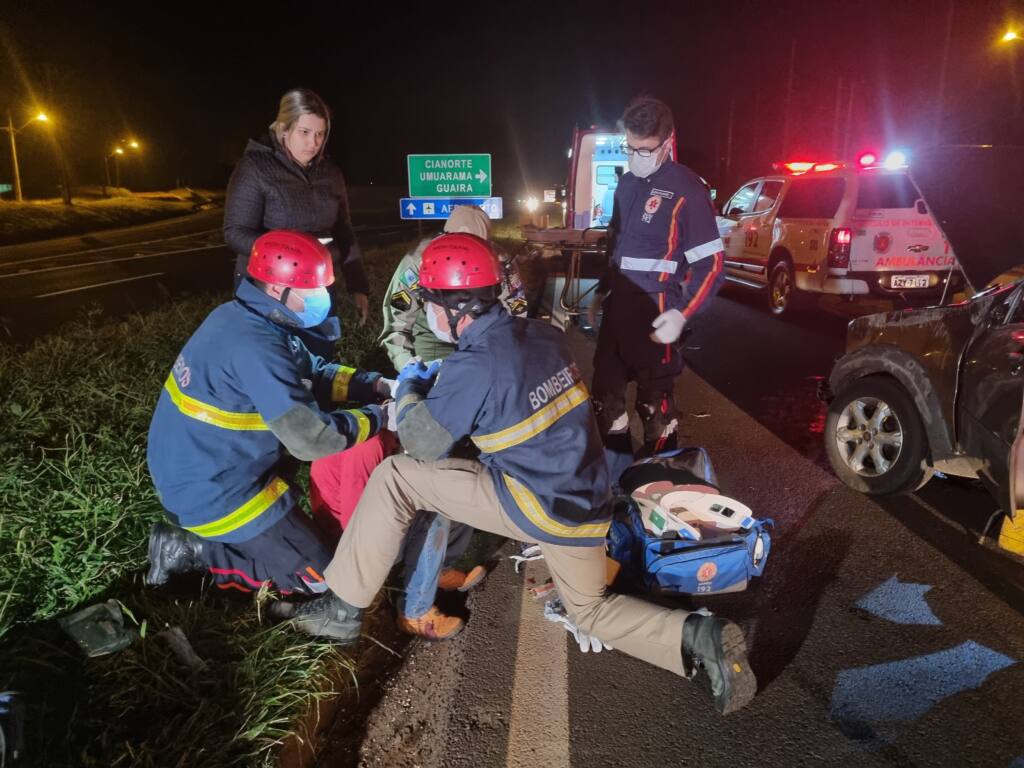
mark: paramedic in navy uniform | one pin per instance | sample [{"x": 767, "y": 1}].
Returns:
[{"x": 665, "y": 266}]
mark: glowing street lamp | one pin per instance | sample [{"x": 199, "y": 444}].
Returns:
[
  {"x": 117, "y": 153},
  {"x": 12, "y": 132},
  {"x": 1010, "y": 37}
]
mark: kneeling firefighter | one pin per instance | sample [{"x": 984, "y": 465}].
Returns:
[{"x": 512, "y": 387}]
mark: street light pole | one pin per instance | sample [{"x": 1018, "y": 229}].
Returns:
[{"x": 14, "y": 157}]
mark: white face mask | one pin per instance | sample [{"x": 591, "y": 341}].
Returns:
[
  {"x": 643, "y": 167},
  {"x": 444, "y": 334}
]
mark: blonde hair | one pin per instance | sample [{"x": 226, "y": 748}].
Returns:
[{"x": 296, "y": 103}]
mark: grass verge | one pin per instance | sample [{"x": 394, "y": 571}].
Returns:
[
  {"x": 76, "y": 505},
  {"x": 44, "y": 219}
]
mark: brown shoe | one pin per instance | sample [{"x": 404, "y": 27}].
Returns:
[
  {"x": 452, "y": 579},
  {"x": 433, "y": 625}
]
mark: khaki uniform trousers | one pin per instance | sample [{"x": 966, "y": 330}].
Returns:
[{"x": 463, "y": 491}]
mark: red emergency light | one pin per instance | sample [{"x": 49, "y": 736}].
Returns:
[{"x": 798, "y": 167}]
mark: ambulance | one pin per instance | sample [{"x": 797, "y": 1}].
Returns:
[{"x": 850, "y": 229}]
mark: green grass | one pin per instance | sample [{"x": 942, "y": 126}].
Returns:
[
  {"x": 43, "y": 219},
  {"x": 76, "y": 504}
]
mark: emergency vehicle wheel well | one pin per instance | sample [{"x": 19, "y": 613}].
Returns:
[
  {"x": 777, "y": 255},
  {"x": 896, "y": 364}
]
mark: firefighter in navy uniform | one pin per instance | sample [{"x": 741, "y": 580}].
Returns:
[
  {"x": 243, "y": 394},
  {"x": 512, "y": 387},
  {"x": 666, "y": 264}
]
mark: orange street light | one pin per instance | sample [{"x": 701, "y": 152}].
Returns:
[
  {"x": 12, "y": 132},
  {"x": 1011, "y": 36}
]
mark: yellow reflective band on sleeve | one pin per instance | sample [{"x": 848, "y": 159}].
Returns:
[
  {"x": 339, "y": 386},
  {"x": 246, "y": 513},
  {"x": 364, "y": 425},
  {"x": 196, "y": 409},
  {"x": 535, "y": 513},
  {"x": 538, "y": 422}
]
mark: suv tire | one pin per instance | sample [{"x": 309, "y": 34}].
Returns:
[
  {"x": 782, "y": 291},
  {"x": 875, "y": 439}
]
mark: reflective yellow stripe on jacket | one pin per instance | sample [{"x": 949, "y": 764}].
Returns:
[
  {"x": 339, "y": 385},
  {"x": 364, "y": 425},
  {"x": 535, "y": 513},
  {"x": 197, "y": 409},
  {"x": 246, "y": 513},
  {"x": 534, "y": 424}
]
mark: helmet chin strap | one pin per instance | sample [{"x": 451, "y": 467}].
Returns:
[{"x": 455, "y": 317}]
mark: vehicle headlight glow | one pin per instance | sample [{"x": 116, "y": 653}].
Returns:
[{"x": 532, "y": 204}]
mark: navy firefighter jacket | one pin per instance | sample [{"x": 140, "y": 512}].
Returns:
[
  {"x": 513, "y": 387},
  {"x": 666, "y": 240},
  {"x": 219, "y": 468}
]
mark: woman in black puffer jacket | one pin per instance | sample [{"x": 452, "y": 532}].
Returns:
[{"x": 284, "y": 181}]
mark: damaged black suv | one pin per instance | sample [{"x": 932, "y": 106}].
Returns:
[{"x": 941, "y": 388}]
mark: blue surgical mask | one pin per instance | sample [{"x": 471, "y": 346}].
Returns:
[{"x": 317, "y": 307}]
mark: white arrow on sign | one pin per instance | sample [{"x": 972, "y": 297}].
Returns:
[
  {"x": 411, "y": 209},
  {"x": 481, "y": 176}
]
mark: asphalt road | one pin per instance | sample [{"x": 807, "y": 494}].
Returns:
[
  {"x": 882, "y": 633},
  {"x": 120, "y": 271}
]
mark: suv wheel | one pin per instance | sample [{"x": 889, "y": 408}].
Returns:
[
  {"x": 875, "y": 439},
  {"x": 781, "y": 288}
]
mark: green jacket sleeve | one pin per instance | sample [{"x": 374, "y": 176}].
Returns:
[{"x": 401, "y": 307}]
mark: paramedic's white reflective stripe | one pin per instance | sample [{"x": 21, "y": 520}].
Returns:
[
  {"x": 211, "y": 414},
  {"x": 363, "y": 423},
  {"x": 650, "y": 265},
  {"x": 535, "y": 424},
  {"x": 246, "y": 513},
  {"x": 339, "y": 386},
  {"x": 535, "y": 513},
  {"x": 703, "y": 251}
]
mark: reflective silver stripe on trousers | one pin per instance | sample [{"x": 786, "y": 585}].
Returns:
[
  {"x": 703, "y": 251},
  {"x": 649, "y": 265}
]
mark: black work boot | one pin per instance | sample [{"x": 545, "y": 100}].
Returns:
[
  {"x": 172, "y": 551},
  {"x": 717, "y": 647},
  {"x": 325, "y": 616}
]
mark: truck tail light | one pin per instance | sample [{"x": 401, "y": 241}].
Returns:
[{"x": 839, "y": 247}]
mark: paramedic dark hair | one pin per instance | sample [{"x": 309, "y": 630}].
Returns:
[{"x": 646, "y": 116}]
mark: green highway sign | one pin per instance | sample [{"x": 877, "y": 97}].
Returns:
[
  {"x": 449, "y": 175},
  {"x": 5, "y": 188}
]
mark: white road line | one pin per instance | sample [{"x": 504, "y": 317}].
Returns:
[
  {"x": 99, "y": 285},
  {"x": 538, "y": 733},
  {"x": 104, "y": 248},
  {"x": 136, "y": 257}
]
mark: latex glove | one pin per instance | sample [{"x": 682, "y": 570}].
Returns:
[
  {"x": 390, "y": 409},
  {"x": 362, "y": 306},
  {"x": 416, "y": 369},
  {"x": 555, "y": 611},
  {"x": 595, "y": 309},
  {"x": 385, "y": 388},
  {"x": 668, "y": 327}
]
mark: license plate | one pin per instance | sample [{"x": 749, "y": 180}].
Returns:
[{"x": 909, "y": 281}]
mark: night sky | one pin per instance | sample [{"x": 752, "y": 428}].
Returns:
[{"x": 194, "y": 82}]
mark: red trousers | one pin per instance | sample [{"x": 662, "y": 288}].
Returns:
[{"x": 337, "y": 481}]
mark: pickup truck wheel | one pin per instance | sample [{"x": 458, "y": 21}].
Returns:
[
  {"x": 874, "y": 438},
  {"x": 781, "y": 288}
]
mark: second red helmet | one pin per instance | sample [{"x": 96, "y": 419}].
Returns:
[
  {"x": 294, "y": 259},
  {"x": 459, "y": 262}
]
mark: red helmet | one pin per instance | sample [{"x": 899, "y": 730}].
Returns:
[
  {"x": 459, "y": 262},
  {"x": 295, "y": 259}
]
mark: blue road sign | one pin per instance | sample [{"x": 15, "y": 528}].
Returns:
[{"x": 441, "y": 207}]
